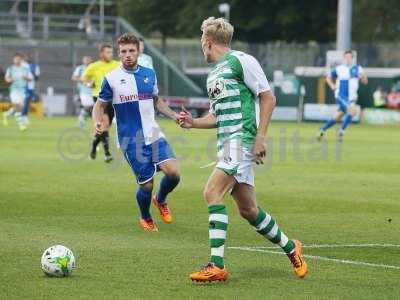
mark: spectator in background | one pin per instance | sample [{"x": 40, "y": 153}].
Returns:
[
  {"x": 393, "y": 98},
  {"x": 18, "y": 76},
  {"x": 30, "y": 91},
  {"x": 84, "y": 91},
  {"x": 144, "y": 59},
  {"x": 379, "y": 97}
]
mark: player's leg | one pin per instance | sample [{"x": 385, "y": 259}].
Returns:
[
  {"x": 352, "y": 111},
  {"x": 144, "y": 171},
  {"x": 217, "y": 186},
  {"x": 96, "y": 140},
  {"x": 264, "y": 224},
  {"x": 143, "y": 197},
  {"x": 18, "y": 115},
  {"x": 14, "y": 98},
  {"x": 168, "y": 183},
  {"x": 105, "y": 136},
  {"x": 329, "y": 123},
  {"x": 25, "y": 107}
]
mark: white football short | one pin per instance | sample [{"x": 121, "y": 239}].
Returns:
[
  {"x": 86, "y": 100},
  {"x": 236, "y": 160},
  {"x": 17, "y": 97}
]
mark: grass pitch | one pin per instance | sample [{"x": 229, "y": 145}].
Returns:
[{"x": 323, "y": 194}]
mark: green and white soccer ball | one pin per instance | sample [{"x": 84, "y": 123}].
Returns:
[{"x": 58, "y": 261}]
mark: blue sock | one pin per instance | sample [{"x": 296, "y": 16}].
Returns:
[
  {"x": 167, "y": 185},
  {"x": 143, "y": 198},
  {"x": 346, "y": 121},
  {"x": 328, "y": 124}
]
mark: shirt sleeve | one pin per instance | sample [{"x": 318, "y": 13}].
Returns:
[
  {"x": 361, "y": 71},
  {"x": 76, "y": 72},
  {"x": 37, "y": 71},
  {"x": 8, "y": 73},
  {"x": 333, "y": 74},
  {"x": 253, "y": 75},
  {"x": 106, "y": 92},
  {"x": 88, "y": 74},
  {"x": 155, "y": 87}
]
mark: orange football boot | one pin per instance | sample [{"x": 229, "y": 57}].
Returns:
[
  {"x": 163, "y": 208},
  {"x": 209, "y": 273},
  {"x": 299, "y": 264},
  {"x": 148, "y": 225}
]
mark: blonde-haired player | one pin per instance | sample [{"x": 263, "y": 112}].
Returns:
[{"x": 241, "y": 106}]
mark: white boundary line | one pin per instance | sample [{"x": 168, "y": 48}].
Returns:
[
  {"x": 333, "y": 246},
  {"x": 341, "y": 261}
]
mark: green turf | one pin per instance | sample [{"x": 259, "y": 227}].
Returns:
[{"x": 347, "y": 196}]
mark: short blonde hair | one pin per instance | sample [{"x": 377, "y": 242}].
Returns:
[{"x": 220, "y": 30}]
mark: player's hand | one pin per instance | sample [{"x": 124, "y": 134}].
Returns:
[
  {"x": 259, "y": 149},
  {"x": 333, "y": 87},
  {"x": 98, "y": 128},
  {"x": 175, "y": 117},
  {"x": 185, "y": 118}
]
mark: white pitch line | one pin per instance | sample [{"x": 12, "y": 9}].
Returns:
[
  {"x": 208, "y": 165},
  {"x": 342, "y": 261},
  {"x": 334, "y": 246}
]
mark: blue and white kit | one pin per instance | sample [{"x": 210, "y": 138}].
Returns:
[
  {"x": 142, "y": 142},
  {"x": 347, "y": 82}
]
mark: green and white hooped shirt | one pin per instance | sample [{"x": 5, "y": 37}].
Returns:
[{"x": 233, "y": 86}]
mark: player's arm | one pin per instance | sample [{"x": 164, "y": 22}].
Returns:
[
  {"x": 363, "y": 76},
  {"x": 186, "y": 120},
  {"x": 88, "y": 76},
  {"x": 105, "y": 97},
  {"x": 7, "y": 77},
  {"x": 163, "y": 108},
  {"x": 97, "y": 115},
  {"x": 331, "y": 79},
  {"x": 267, "y": 104},
  {"x": 75, "y": 76}
]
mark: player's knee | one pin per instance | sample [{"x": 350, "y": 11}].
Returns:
[
  {"x": 248, "y": 213},
  {"x": 210, "y": 194},
  {"x": 148, "y": 186}
]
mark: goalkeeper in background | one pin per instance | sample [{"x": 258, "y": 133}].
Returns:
[{"x": 93, "y": 77}]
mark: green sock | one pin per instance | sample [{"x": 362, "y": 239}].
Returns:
[
  {"x": 218, "y": 224},
  {"x": 265, "y": 225}
]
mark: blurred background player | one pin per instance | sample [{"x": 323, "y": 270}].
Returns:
[
  {"x": 132, "y": 90},
  {"x": 344, "y": 82},
  {"x": 18, "y": 76},
  {"x": 241, "y": 105},
  {"x": 30, "y": 91},
  {"x": 93, "y": 77},
  {"x": 144, "y": 59},
  {"x": 84, "y": 91}
]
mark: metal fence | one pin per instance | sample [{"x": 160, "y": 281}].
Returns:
[{"x": 286, "y": 56}]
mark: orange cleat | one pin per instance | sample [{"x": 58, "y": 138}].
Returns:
[
  {"x": 210, "y": 273},
  {"x": 299, "y": 264},
  {"x": 163, "y": 208},
  {"x": 148, "y": 225}
]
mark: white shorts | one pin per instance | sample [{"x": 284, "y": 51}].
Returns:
[
  {"x": 17, "y": 97},
  {"x": 237, "y": 161},
  {"x": 86, "y": 100}
]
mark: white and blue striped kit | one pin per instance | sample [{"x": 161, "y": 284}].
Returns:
[{"x": 132, "y": 95}]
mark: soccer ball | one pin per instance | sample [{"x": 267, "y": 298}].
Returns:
[{"x": 58, "y": 261}]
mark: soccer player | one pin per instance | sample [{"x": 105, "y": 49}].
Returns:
[
  {"x": 132, "y": 90},
  {"x": 241, "y": 105},
  {"x": 30, "y": 91},
  {"x": 93, "y": 77},
  {"x": 344, "y": 82},
  {"x": 18, "y": 76},
  {"x": 85, "y": 92},
  {"x": 144, "y": 59}
]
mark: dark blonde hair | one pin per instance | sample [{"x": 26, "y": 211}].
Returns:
[{"x": 128, "y": 38}]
